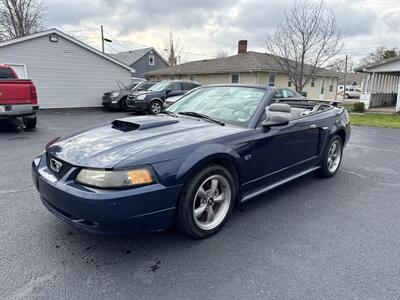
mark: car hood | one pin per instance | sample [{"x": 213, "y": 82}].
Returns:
[{"x": 137, "y": 137}]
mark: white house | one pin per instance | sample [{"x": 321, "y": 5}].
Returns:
[
  {"x": 66, "y": 71},
  {"x": 382, "y": 84}
]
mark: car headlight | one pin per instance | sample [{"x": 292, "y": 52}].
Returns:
[
  {"x": 141, "y": 97},
  {"x": 116, "y": 179},
  {"x": 115, "y": 94}
]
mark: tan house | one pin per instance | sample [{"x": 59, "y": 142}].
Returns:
[{"x": 248, "y": 67}]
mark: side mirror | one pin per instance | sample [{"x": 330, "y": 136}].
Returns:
[
  {"x": 140, "y": 89},
  {"x": 276, "y": 120},
  {"x": 167, "y": 91}
]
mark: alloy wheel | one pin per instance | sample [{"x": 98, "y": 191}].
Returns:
[
  {"x": 156, "y": 107},
  {"x": 211, "y": 202},
  {"x": 334, "y": 156}
]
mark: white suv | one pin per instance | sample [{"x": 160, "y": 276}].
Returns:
[{"x": 353, "y": 93}]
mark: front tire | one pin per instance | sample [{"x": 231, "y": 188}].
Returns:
[
  {"x": 155, "y": 107},
  {"x": 332, "y": 158},
  {"x": 206, "y": 202},
  {"x": 29, "y": 122},
  {"x": 124, "y": 105}
]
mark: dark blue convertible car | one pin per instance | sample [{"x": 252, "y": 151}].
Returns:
[{"x": 215, "y": 147}]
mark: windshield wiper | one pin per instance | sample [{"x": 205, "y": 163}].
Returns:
[
  {"x": 202, "y": 116},
  {"x": 169, "y": 113}
]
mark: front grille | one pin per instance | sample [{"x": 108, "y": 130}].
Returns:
[{"x": 64, "y": 169}]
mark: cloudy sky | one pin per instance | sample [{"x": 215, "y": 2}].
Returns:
[{"x": 207, "y": 27}]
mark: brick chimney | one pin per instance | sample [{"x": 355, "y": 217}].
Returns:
[{"x": 242, "y": 46}]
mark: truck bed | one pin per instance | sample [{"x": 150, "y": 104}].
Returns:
[{"x": 17, "y": 91}]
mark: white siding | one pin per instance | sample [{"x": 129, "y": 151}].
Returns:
[{"x": 65, "y": 74}]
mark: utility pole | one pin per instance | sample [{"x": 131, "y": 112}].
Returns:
[
  {"x": 102, "y": 38},
  {"x": 345, "y": 79}
]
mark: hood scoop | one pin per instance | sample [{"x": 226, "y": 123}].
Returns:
[{"x": 141, "y": 123}]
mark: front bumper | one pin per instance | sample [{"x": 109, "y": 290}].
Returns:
[
  {"x": 111, "y": 102},
  {"x": 18, "y": 110},
  {"x": 148, "y": 208},
  {"x": 137, "y": 105}
]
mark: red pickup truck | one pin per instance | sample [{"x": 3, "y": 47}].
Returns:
[{"x": 18, "y": 97}]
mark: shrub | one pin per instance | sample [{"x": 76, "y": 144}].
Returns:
[{"x": 359, "y": 107}]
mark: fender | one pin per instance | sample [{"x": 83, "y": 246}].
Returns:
[
  {"x": 155, "y": 98},
  {"x": 207, "y": 153}
]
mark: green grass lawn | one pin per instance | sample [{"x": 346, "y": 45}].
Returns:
[{"x": 376, "y": 120}]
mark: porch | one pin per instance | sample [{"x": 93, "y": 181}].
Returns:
[{"x": 381, "y": 87}]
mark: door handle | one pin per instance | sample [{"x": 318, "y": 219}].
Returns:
[{"x": 313, "y": 126}]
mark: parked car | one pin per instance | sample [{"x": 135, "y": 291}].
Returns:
[
  {"x": 18, "y": 98},
  {"x": 171, "y": 100},
  {"x": 214, "y": 148},
  {"x": 117, "y": 99},
  {"x": 353, "y": 93},
  {"x": 152, "y": 101}
]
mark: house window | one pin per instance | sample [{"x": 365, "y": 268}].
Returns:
[
  {"x": 312, "y": 82},
  {"x": 235, "y": 78},
  {"x": 192, "y": 77},
  {"x": 271, "y": 80},
  {"x": 171, "y": 77},
  {"x": 151, "y": 60},
  {"x": 289, "y": 84}
]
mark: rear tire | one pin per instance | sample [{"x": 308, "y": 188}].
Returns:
[
  {"x": 29, "y": 122},
  {"x": 155, "y": 107},
  {"x": 332, "y": 158},
  {"x": 206, "y": 202}
]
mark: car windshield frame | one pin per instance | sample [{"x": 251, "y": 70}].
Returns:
[
  {"x": 245, "y": 123},
  {"x": 163, "y": 84}
]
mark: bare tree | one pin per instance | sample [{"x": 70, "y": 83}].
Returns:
[
  {"x": 174, "y": 48},
  {"x": 380, "y": 53},
  {"x": 20, "y": 18},
  {"x": 305, "y": 41},
  {"x": 338, "y": 65},
  {"x": 222, "y": 53}
]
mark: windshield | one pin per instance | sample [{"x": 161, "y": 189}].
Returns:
[
  {"x": 232, "y": 104},
  {"x": 159, "y": 86}
]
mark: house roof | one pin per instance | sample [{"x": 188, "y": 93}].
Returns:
[
  {"x": 365, "y": 68},
  {"x": 249, "y": 61},
  {"x": 67, "y": 37},
  {"x": 132, "y": 56}
]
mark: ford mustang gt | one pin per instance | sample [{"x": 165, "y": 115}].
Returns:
[{"x": 217, "y": 146}]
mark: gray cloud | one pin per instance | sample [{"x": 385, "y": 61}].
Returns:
[{"x": 206, "y": 26}]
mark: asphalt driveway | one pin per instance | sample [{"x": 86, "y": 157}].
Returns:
[{"x": 311, "y": 239}]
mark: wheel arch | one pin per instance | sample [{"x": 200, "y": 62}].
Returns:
[{"x": 227, "y": 159}]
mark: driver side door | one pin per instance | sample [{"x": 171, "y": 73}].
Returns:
[{"x": 282, "y": 151}]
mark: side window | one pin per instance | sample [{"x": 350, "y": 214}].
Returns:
[
  {"x": 175, "y": 87},
  {"x": 271, "y": 79},
  {"x": 186, "y": 86},
  {"x": 235, "y": 78}
]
